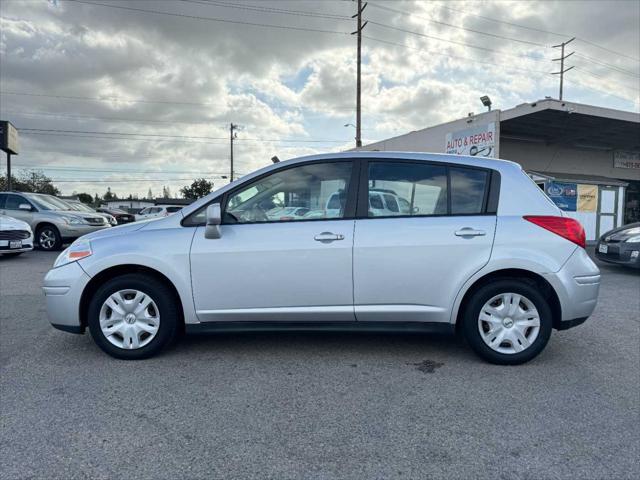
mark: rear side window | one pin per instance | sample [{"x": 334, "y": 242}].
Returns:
[
  {"x": 420, "y": 187},
  {"x": 468, "y": 187}
]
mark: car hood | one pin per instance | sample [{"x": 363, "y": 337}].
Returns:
[
  {"x": 113, "y": 231},
  {"x": 620, "y": 233},
  {"x": 10, "y": 223}
]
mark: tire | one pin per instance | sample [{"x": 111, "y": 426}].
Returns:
[
  {"x": 153, "y": 329},
  {"x": 48, "y": 238},
  {"x": 521, "y": 340}
]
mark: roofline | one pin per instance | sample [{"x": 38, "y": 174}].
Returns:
[{"x": 569, "y": 107}]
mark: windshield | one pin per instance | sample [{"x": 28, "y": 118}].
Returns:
[
  {"x": 81, "y": 207},
  {"x": 48, "y": 202}
]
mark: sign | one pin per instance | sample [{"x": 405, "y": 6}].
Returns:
[
  {"x": 587, "y": 198},
  {"x": 626, "y": 159},
  {"x": 479, "y": 141},
  {"x": 564, "y": 195},
  {"x": 8, "y": 137}
]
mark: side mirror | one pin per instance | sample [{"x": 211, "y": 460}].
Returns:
[
  {"x": 24, "y": 206},
  {"x": 214, "y": 219}
]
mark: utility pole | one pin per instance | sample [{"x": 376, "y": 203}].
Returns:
[
  {"x": 562, "y": 58},
  {"x": 358, "y": 32},
  {"x": 232, "y": 136},
  {"x": 9, "y": 186}
]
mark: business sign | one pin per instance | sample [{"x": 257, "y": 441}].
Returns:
[
  {"x": 626, "y": 159},
  {"x": 564, "y": 195},
  {"x": 8, "y": 137},
  {"x": 587, "y": 198},
  {"x": 479, "y": 141}
]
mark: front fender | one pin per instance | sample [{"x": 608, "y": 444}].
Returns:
[{"x": 163, "y": 250}]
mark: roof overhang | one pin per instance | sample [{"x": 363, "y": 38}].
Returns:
[{"x": 572, "y": 124}]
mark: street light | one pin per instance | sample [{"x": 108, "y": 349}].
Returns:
[{"x": 486, "y": 101}]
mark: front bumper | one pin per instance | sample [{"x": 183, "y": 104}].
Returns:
[
  {"x": 27, "y": 245},
  {"x": 577, "y": 285},
  {"x": 621, "y": 253},
  {"x": 63, "y": 287}
]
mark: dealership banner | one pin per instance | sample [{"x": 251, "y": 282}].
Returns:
[
  {"x": 478, "y": 141},
  {"x": 587, "y": 198},
  {"x": 564, "y": 195}
]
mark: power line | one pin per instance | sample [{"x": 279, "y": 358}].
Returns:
[
  {"x": 124, "y": 100},
  {"x": 256, "y": 8},
  {"x": 115, "y": 170},
  {"x": 539, "y": 30},
  {"x": 608, "y": 65},
  {"x": 211, "y": 19},
  {"x": 507, "y": 67},
  {"x": 607, "y": 49},
  {"x": 291, "y": 140},
  {"x": 502, "y": 37},
  {"x": 114, "y": 119},
  {"x": 420, "y": 34}
]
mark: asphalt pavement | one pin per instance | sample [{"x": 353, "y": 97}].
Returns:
[{"x": 317, "y": 406}]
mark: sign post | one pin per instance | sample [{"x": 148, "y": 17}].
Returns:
[{"x": 9, "y": 145}]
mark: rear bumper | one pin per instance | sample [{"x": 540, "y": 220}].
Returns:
[
  {"x": 577, "y": 285},
  {"x": 71, "y": 232}
]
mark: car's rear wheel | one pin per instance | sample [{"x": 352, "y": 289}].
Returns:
[
  {"x": 48, "y": 238},
  {"x": 507, "y": 322},
  {"x": 133, "y": 316}
]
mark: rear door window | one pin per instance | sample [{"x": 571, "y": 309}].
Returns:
[
  {"x": 420, "y": 187},
  {"x": 468, "y": 190}
]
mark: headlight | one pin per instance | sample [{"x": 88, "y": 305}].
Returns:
[
  {"x": 73, "y": 220},
  {"x": 77, "y": 250},
  {"x": 113, "y": 221},
  {"x": 634, "y": 239}
]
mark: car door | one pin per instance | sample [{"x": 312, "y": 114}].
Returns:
[
  {"x": 273, "y": 268},
  {"x": 11, "y": 206},
  {"x": 409, "y": 265}
]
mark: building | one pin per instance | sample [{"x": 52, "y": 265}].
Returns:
[
  {"x": 586, "y": 158},
  {"x": 135, "y": 205}
]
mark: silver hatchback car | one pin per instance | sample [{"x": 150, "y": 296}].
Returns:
[{"x": 465, "y": 244}]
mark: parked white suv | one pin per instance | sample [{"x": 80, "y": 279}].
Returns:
[
  {"x": 480, "y": 249},
  {"x": 157, "y": 212}
]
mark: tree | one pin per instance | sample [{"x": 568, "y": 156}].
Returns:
[
  {"x": 84, "y": 198},
  {"x": 109, "y": 195},
  {"x": 149, "y": 195},
  {"x": 31, "y": 181},
  {"x": 166, "y": 192},
  {"x": 96, "y": 200},
  {"x": 199, "y": 188}
]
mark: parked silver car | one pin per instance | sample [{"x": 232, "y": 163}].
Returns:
[
  {"x": 52, "y": 220},
  {"x": 480, "y": 249},
  {"x": 78, "y": 206}
]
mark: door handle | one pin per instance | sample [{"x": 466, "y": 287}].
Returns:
[
  {"x": 327, "y": 237},
  {"x": 469, "y": 232}
]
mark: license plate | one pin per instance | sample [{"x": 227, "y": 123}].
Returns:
[
  {"x": 15, "y": 244},
  {"x": 602, "y": 248}
]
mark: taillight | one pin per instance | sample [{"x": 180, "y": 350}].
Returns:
[{"x": 568, "y": 228}]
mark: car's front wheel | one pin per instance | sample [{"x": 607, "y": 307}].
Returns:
[
  {"x": 507, "y": 322},
  {"x": 48, "y": 238},
  {"x": 133, "y": 316}
]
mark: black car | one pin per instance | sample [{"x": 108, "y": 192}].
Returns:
[
  {"x": 122, "y": 217},
  {"x": 621, "y": 245}
]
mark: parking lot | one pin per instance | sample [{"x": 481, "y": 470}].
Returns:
[{"x": 317, "y": 405}]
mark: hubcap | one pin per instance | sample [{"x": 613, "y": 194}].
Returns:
[
  {"x": 129, "y": 319},
  {"x": 47, "y": 239},
  {"x": 509, "y": 323}
]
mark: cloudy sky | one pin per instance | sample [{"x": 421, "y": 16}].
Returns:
[{"x": 134, "y": 95}]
